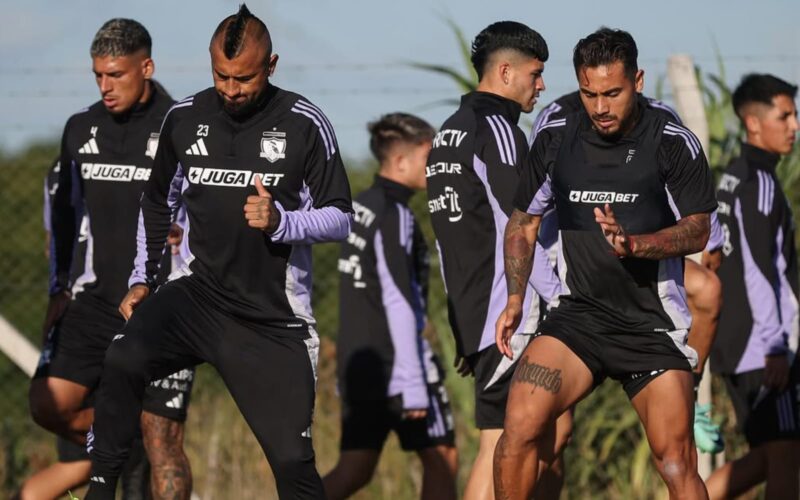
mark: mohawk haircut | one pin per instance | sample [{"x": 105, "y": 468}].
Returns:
[
  {"x": 120, "y": 37},
  {"x": 760, "y": 88},
  {"x": 234, "y": 29}
]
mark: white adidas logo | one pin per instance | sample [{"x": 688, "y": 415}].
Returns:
[
  {"x": 90, "y": 148},
  {"x": 98, "y": 479},
  {"x": 198, "y": 148},
  {"x": 176, "y": 402}
]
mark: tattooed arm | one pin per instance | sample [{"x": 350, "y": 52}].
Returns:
[
  {"x": 687, "y": 236},
  {"x": 519, "y": 244}
]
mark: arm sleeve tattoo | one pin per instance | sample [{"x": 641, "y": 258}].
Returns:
[
  {"x": 519, "y": 243},
  {"x": 687, "y": 236}
]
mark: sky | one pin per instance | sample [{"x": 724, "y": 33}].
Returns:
[{"x": 351, "y": 57}]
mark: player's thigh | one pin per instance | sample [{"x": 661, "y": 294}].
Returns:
[
  {"x": 56, "y": 396},
  {"x": 272, "y": 380},
  {"x": 549, "y": 379},
  {"x": 666, "y": 408}
]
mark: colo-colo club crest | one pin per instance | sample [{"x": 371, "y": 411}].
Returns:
[
  {"x": 152, "y": 146},
  {"x": 273, "y": 146}
]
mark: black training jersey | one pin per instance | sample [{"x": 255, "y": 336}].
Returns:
[
  {"x": 473, "y": 172},
  {"x": 651, "y": 177},
  {"x": 759, "y": 315},
  {"x": 382, "y": 302},
  {"x": 105, "y": 161},
  {"x": 567, "y": 104},
  {"x": 208, "y": 162}
]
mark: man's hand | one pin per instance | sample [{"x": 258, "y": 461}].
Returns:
[
  {"x": 414, "y": 414},
  {"x": 260, "y": 211},
  {"x": 55, "y": 309},
  {"x": 776, "y": 372},
  {"x": 462, "y": 367},
  {"x": 613, "y": 232},
  {"x": 134, "y": 297},
  {"x": 174, "y": 238},
  {"x": 507, "y": 324}
]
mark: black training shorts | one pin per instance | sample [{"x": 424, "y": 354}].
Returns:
[
  {"x": 632, "y": 358},
  {"x": 762, "y": 414},
  {"x": 75, "y": 349}
]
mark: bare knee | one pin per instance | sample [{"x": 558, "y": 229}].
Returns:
[
  {"x": 524, "y": 430},
  {"x": 676, "y": 464},
  {"x": 438, "y": 457}
]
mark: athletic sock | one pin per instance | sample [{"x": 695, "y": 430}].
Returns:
[{"x": 102, "y": 488}]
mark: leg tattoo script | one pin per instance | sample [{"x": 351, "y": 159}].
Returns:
[{"x": 538, "y": 376}]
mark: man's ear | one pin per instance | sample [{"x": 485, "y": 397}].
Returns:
[
  {"x": 639, "y": 81},
  {"x": 273, "y": 62},
  {"x": 752, "y": 124},
  {"x": 148, "y": 68}
]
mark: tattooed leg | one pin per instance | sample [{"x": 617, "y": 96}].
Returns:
[
  {"x": 170, "y": 476},
  {"x": 549, "y": 379}
]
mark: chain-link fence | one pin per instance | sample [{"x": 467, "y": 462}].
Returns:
[{"x": 608, "y": 457}]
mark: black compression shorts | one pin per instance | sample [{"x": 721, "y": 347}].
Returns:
[
  {"x": 77, "y": 344},
  {"x": 632, "y": 358}
]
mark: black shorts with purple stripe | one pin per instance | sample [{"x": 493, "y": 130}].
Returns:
[
  {"x": 763, "y": 414},
  {"x": 366, "y": 424}
]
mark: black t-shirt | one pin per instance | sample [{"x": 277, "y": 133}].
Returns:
[
  {"x": 208, "y": 162},
  {"x": 651, "y": 177}
]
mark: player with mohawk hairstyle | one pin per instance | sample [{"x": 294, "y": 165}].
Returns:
[{"x": 258, "y": 172}]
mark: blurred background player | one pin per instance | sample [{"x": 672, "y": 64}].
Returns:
[
  {"x": 389, "y": 379},
  {"x": 755, "y": 350}
]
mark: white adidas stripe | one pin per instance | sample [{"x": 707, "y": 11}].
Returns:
[
  {"x": 688, "y": 137},
  {"x": 501, "y": 147},
  {"x": 321, "y": 121},
  {"x": 89, "y": 148},
  {"x": 198, "y": 148},
  {"x": 555, "y": 123}
]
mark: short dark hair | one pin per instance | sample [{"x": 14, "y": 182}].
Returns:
[
  {"x": 395, "y": 128},
  {"x": 506, "y": 35},
  {"x": 121, "y": 37},
  {"x": 760, "y": 88},
  {"x": 606, "y": 46},
  {"x": 234, "y": 28}
]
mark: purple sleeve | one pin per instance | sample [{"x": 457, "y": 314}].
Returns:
[
  {"x": 315, "y": 225},
  {"x": 760, "y": 272},
  {"x": 408, "y": 376},
  {"x": 543, "y": 275},
  {"x": 716, "y": 237},
  {"x": 46, "y": 210}
]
